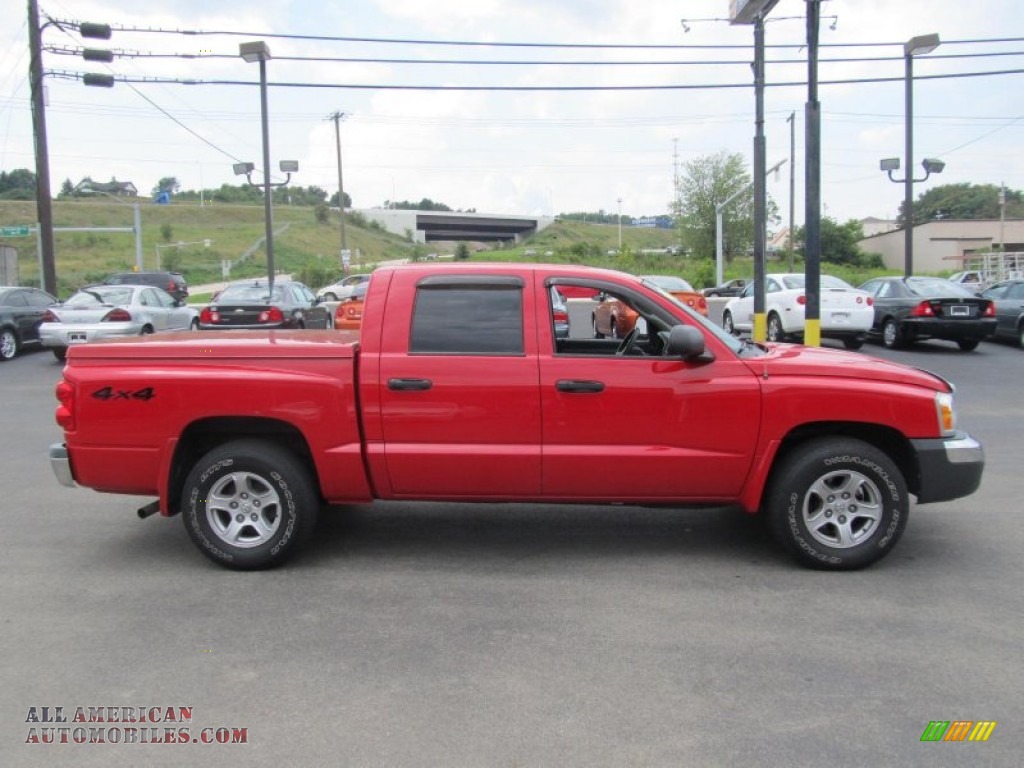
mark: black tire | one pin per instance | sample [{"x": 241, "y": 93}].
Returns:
[
  {"x": 891, "y": 336},
  {"x": 249, "y": 505},
  {"x": 775, "y": 331},
  {"x": 728, "y": 324},
  {"x": 9, "y": 344},
  {"x": 194, "y": 325},
  {"x": 593, "y": 324},
  {"x": 968, "y": 345},
  {"x": 146, "y": 330},
  {"x": 61, "y": 353},
  {"x": 330, "y": 297},
  {"x": 837, "y": 504},
  {"x": 1020, "y": 335},
  {"x": 853, "y": 343},
  {"x": 614, "y": 328}
]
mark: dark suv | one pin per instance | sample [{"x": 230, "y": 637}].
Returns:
[{"x": 172, "y": 282}]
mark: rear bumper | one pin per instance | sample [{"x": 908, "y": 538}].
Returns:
[
  {"x": 949, "y": 330},
  {"x": 951, "y": 467},
  {"x": 60, "y": 463}
]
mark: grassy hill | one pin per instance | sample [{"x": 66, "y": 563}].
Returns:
[
  {"x": 83, "y": 257},
  {"x": 307, "y": 247}
]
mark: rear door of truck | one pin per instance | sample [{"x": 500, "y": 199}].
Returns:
[{"x": 456, "y": 387}]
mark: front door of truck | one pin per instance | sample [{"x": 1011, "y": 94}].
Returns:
[
  {"x": 640, "y": 426},
  {"x": 459, "y": 405}
]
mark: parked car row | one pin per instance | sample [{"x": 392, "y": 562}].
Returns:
[{"x": 896, "y": 311}]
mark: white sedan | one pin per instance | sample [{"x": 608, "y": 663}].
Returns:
[
  {"x": 113, "y": 311},
  {"x": 846, "y": 312},
  {"x": 341, "y": 289}
]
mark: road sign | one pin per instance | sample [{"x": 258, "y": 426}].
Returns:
[{"x": 15, "y": 231}]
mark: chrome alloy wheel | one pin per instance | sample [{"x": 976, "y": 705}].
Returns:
[
  {"x": 842, "y": 509},
  {"x": 243, "y": 510}
]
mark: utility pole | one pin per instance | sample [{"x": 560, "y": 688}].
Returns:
[
  {"x": 792, "y": 184},
  {"x": 44, "y": 202},
  {"x": 812, "y": 185},
  {"x": 337, "y": 117}
]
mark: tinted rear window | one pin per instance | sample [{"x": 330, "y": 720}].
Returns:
[{"x": 461, "y": 319}]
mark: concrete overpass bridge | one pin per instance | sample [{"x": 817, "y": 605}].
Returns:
[{"x": 435, "y": 226}]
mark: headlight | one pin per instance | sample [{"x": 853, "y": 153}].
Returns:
[{"x": 945, "y": 412}]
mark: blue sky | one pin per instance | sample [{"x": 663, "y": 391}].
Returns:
[{"x": 535, "y": 152}]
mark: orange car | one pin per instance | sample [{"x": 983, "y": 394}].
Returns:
[
  {"x": 349, "y": 314},
  {"x": 681, "y": 289},
  {"x": 612, "y": 318}
]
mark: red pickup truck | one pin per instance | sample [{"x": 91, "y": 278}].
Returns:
[{"x": 458, "y": 388}]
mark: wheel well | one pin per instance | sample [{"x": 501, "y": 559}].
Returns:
[
  {"x": 200, "y": 437},
  {"x": 886, "y": 439}
]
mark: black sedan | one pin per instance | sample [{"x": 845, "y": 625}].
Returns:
[
  {"x": 911, "y": 308},
  {"x": 1008, "y": 297},
  {"x": 249, "y": 304},
  {"x": 21, "y": 312},
  {"x": 729, "y": 288}
]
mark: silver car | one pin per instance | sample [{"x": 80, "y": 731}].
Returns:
[{"x": 113, "y": 311}]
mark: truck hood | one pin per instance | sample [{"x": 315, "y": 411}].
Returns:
[
  {"x": 221, "y": 345},
  {"x": 797, "y": 360}
]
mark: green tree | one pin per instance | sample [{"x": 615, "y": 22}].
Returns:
[
  {"x": 964, "y": 201},
  {"x": 166, "y": 184},
  {"x": 322, "y": 213},
  {"x": 67, "y": 189},
  {"x": 838, "y": 241},
  {"x": 703, "y": 184},
  {"x": 166, "y": 232},
  {"x": 333, "y": 202},
  {"x": 462, "y": 251},
  {"x": 19, "y": 184}
]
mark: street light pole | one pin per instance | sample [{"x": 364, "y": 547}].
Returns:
[
  {"x": 620, "y": 226},
  {"x": 250, "y": 52},
  {"x": 916, "y": 46}
]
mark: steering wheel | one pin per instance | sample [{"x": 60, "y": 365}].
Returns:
[{"x": 627, "y": 344}]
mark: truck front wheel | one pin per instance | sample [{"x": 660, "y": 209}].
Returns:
[
  {"x": 249, "y": 504},
  {"x": 837, "y": 504}
]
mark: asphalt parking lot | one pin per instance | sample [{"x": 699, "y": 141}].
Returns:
[{"x": 513, "y": 635}]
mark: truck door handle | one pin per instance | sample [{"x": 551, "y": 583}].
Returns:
[
  {"x": 575, "y": 385},
  {"x": 409, "y": 385}
]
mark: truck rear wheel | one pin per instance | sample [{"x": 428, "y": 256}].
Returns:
[
  {"x": 249, "y": 504},
  {"x": 837, "y": 504}
]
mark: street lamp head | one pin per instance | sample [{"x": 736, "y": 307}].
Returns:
[
  {"x": 289, "y": 166},
  {"x": 243, "y": 169},
  {"x": 257, "y": 50},
  {"x": 932, "y": 165},
  {"x": 745, "y": 11},
  {"x": 889, "y": 164},
  {"x": 920, "y": 45}
]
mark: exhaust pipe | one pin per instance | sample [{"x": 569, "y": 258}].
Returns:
[{"x": 150, "y": 509}]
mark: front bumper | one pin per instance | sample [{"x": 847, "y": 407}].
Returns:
[
  {"x": 950, "y": 467},
  {"x": 60, "y": 463}
]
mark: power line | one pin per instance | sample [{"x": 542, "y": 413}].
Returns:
[
  {"x": 132, "y": 54},
  {"x": 494, "y": 44},
  {"x": 73, "y": 75}
]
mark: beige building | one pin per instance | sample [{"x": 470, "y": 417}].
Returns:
[{"x": 941, "y": 245}]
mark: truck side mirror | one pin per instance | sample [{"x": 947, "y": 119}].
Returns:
[{"x": 687, "y": 342}]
